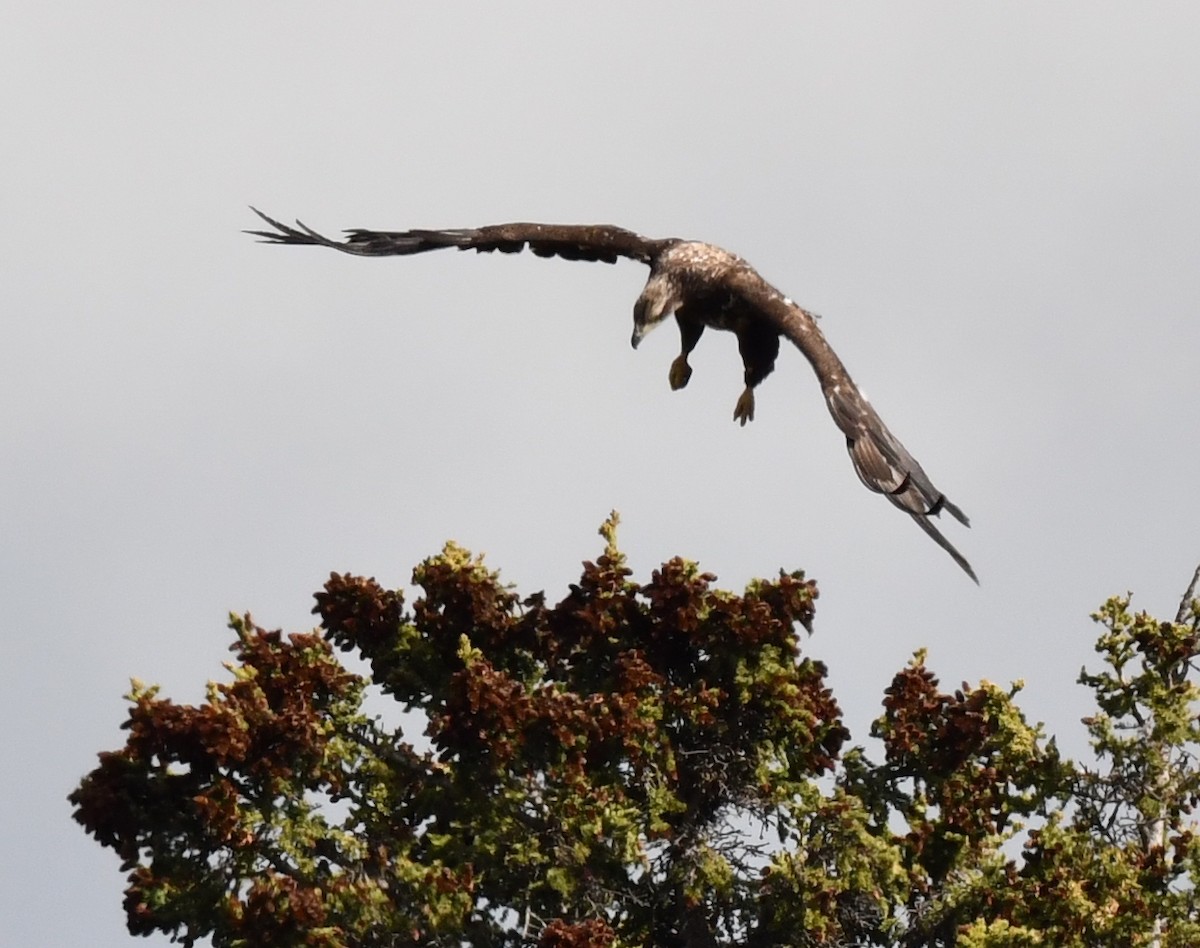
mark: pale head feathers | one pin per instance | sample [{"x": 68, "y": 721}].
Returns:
[{"x": 686, "y": 267}]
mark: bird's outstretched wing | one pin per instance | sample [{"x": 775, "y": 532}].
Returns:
[
  {"x": 882, "y": 463},
  {"x": 602, "y": 242}
]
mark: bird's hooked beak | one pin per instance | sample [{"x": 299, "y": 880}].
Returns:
[
  {"x": 642, "y": 323},
  {"x": 657, "y": 302}
]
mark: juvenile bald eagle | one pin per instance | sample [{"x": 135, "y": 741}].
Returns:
[{"x": 702, "y": 285}]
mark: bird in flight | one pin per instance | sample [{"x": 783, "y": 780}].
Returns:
[{"x": 702, "y": 286}]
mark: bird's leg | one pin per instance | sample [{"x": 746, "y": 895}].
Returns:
[
  {"x": 690, "y": 331},
  {"x": 744, "y": 410},
  {"x": 759, "y": 346}
]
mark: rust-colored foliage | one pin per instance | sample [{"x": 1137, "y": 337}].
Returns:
[
  {"x": 579, "y": 753},
  {"x": 967, "y": 777},
  {"x": 940, "y": 730},
  {"x": 638, "y": 764},
  {"x": 590, "y": 934}
]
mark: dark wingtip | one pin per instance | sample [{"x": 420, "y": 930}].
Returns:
[
  {"x": 936, "y": 535},
  {"x": 954, "y": 511},
  {"x": 267, "y": 236},
  {"x": 270, "y": 220},
  {"x": 282, "y": 234},
  {"x": 285, "y": 234}
]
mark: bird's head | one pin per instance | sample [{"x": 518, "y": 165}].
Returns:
[{"x": 658, "y": 301}]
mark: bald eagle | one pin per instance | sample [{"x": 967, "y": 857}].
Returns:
[{"x": 702, "y": 286}]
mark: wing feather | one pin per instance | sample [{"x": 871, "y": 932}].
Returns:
[
  {"x": 594, "y": 242},
  {"x": 882, "y": 463}
]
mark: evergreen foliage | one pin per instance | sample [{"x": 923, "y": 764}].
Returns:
[{"x": 643, "y": 764}]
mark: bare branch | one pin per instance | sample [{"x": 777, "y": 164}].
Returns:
[{"x": 1189, "y": 596}]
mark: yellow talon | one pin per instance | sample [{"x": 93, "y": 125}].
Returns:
[
  {"x": 744, "y": 410},
  {"x": 680, "y": 372}
]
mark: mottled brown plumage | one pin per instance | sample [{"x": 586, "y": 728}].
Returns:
[{"x": 703, "y": 286}]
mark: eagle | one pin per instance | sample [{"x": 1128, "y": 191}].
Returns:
[{"x": 703, "y": 286}]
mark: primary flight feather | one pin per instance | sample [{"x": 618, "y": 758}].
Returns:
[{"x": 702, "y": 286}]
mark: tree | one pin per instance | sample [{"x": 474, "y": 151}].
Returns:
[{"x": 650, "y": 764}]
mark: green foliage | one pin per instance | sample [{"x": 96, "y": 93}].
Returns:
[{"x": 640, "y": 764}]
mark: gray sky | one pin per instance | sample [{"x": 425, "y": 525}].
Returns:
[{"x": 994, "y": 208}]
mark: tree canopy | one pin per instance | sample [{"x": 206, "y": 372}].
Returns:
[{"x": 652, "y": 763}]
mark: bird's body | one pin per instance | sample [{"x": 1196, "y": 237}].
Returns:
[{"x": 703, "y": 286}]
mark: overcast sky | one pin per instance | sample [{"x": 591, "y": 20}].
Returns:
[{"x": 996, "y": 209}]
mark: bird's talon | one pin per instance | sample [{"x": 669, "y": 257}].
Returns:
[
  {"x": 744, "y": 410},
  {"x": 680, "y": 373}
]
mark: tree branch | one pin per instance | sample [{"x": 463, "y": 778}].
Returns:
[{"x": 1189, "y": 595}]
